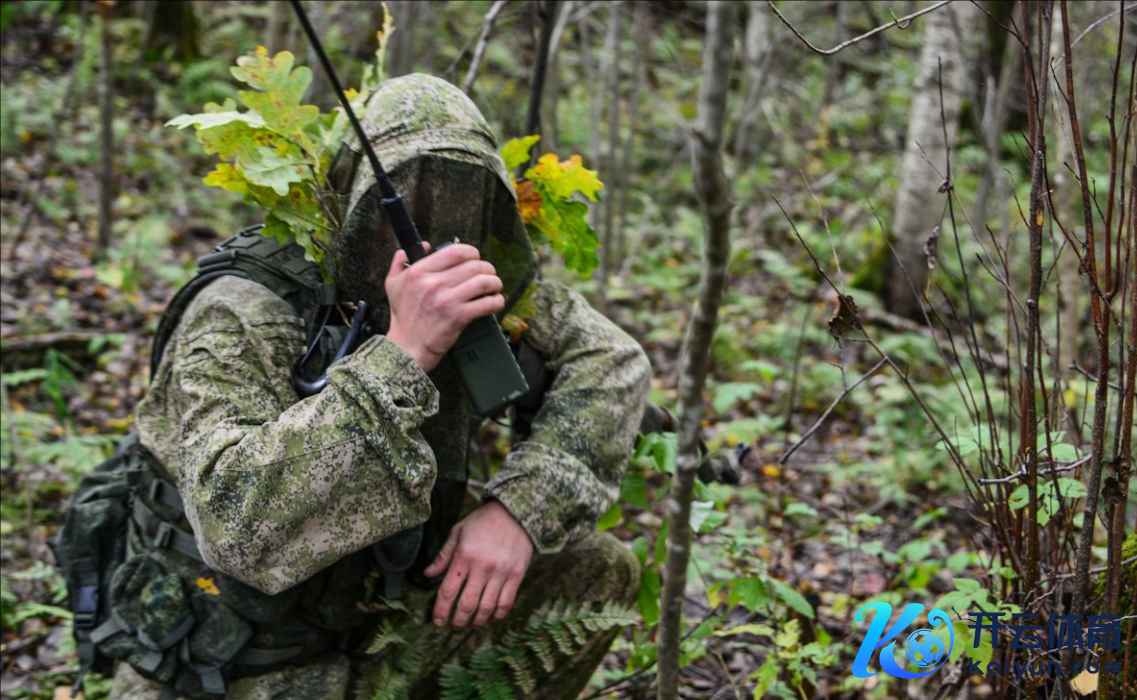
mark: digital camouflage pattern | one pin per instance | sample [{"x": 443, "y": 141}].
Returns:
[
  {"x": 286, "y": 495},
  {"x": 591, "y": 572},
  {"x": 441, "y": 156}
]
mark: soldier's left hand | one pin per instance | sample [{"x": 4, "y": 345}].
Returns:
[{"x": 489, "y": 552}]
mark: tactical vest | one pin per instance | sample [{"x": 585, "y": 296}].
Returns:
[{"x": 138, "y": 585}]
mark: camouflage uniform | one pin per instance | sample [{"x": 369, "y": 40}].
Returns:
[{"x": 285, "y": 496}]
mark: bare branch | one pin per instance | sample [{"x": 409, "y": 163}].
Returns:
[
  {"x": 902, "y": 23},
  {"x": 480, "y": 49},
  {"x": 825, "y": 416}
]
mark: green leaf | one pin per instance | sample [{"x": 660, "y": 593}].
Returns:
[
  {"x": 767, "y": 675},
  {"x": 730, "y": 393},
  {"x": 966, "y": 585},
  {"x": 661, "y": 542},
  {"x": 700, "y": 511},
  {"x": 748, "y": 592},
  {"x": 209, "y": 120},
  {"x": 611, "y": 517},
  {"x": 639, "y": 548},
  {"x": 958, "y": 561},
  {"x": 282, "y": 89},
  {"x": 1064, "y": 452},
  {"x": 633, "y": 490},
  {"x": 516, "y": 151},
  {"x": 269, "y": 169},
  {"x": 1071, "y": 488},
  {"x": 1019, "y": 498},
  {"x": 792, "y": 598},
  {"x": 799, "y": 508},
  {"x": 761, "y": 630},
  {"x": 648, "y": 600}
]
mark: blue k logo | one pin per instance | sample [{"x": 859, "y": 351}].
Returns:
[{"x": 923, "y": 647}]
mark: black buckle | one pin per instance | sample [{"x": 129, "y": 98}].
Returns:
[
  {"x": 86, "y": 607},
  {"x": 164, "y": 535}
]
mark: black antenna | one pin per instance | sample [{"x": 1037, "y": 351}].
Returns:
[{"x": 392, "y": 201}]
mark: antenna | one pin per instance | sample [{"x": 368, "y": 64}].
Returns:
[{"x": 392, "y": 201}]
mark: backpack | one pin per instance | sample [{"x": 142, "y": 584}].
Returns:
[{"x": 126, "y": 550}]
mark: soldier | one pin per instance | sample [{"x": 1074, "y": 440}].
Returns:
[{"x": 298, "y": 506}]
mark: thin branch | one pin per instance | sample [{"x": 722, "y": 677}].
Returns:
[
  {"x": 902, "y": 23},
  {"x": 1021, "y": 473},
  {"x": 480, "y": 49},
  {"x": 825, "y": 416}
]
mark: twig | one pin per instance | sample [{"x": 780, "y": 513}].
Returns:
[
  {"x": 1021, "y": 473},
  {"x": 825, "y": 416},
  {"x": 1093, "y": 378},
  {"x": 480, "y": 49},
  {"x": 829, "y": 52}
]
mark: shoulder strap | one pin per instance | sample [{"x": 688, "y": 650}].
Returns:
[{"x": 281, "y": 268}]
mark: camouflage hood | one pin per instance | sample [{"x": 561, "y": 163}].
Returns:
[{"x": 442, "y": 157}]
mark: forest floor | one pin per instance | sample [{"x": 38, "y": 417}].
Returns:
[{"x": 867, "y": 509}]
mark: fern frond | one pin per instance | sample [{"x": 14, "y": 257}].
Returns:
[{"x": 456, "y": 682}]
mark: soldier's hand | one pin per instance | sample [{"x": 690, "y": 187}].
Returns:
[
  {"x": 433, "y": 300},
  {"x": 489, "y": 552}
]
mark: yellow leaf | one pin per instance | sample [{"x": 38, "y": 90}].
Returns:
[
  {"x": 514, "y": 326},
  {"x": 516, "y": 151},
  {"x": 1038, "y": 219},
  {"x": 564, "y": 178},
  {"x": 772, "y": 470},
  {"x": 1085, "y": 682},
  {"x": 207, "y": 585},
  {"x": 227, "y": 177}
]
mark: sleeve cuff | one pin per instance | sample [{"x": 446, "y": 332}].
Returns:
[{"x": 409, "y": 384}]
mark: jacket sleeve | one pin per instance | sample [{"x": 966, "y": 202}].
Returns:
[
  {"x": 278, "y": 488},
  {"x": 567, "y": 474}
]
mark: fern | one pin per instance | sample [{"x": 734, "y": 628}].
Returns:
[{"x": 554, "y": 631}]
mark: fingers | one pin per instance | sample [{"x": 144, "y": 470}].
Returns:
[
  {"x": 471, "y": 596},
  {"x": 442, "y": 561},
  {"x": 468, "y": 270},
  {"x": 448, "y": 592},
  {"x": 447, "y": 258},
  {"x": 398, "y": 264},
  {"x": 484, "y": 306},
  {"x": 475, "y": 287},
  {"x": 489, "y": 600},
  {"x": 507, "y": 596}
]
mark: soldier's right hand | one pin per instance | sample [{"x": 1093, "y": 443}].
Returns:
[{"x": 433, "y": 300}]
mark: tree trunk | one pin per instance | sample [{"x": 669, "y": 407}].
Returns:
[
  {"x": 106, "y": 135},
  {"x": 611, "y": 61},
  {"x": 400, "y": 52},
  {"x": 995, "y": 116},
  {"x": 919, "y": 206},
  {"x": 714, "y": 194},
  {"x": 757, "y": 50},
  {"x": 639, "y": 53},
  {"x": 548, "y": 15},
  {"x": 319, "y": 90},
  {"x": 277, "y": 32}
]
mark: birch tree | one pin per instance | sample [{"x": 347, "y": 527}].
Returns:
[
  {"x": 714, "y": 195},
  {"x": 920, "y": 199}
]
